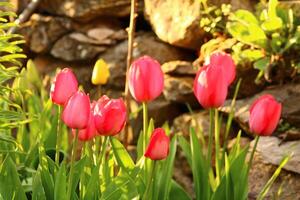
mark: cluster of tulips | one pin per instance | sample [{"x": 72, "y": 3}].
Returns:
[{"x": 107, "y": 117}]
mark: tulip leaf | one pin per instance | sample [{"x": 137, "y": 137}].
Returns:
[
  {"x": 121, "y": 155},
  {"x": 185, "y": 146},
  {"x": 38, "y": 192},
  {"x": 60, "y": 188},
  {"x": 10, "y": 185},
  {"x": 165, "y": 178},
  {"x": 78, "y": 169},
  {"x": 139, "y": 146},
  {"x": 177, "y": 192},
  {"x": 121, "y": 187},
  {"x": 93, "y": 186},
  {"x": 200, "y": 168}
]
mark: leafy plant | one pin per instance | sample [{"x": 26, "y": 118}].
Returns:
[{"x": 268, "y": 41}]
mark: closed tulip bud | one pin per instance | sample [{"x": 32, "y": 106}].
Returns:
[
  {"x": 63, "y": 87},
  {"x": 146, "y": 79},
  {"x": 90, "y": 131},
  {"x": 158, "y": 148},
  {"x": 264, "y": 115},
  {"x": 77, "y": 111},
  {"x": 100, "y": 73},
  {"x": 210, "y": 87},
  {"x": 224, "y": 61},
  {"x": 110, "y": 116}
]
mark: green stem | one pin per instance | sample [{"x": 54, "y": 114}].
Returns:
[
  {"x": 217, "y": 145},
  {"x": 145, "y": 138},
  {"x": 58, "y": 137},
  {"x": 252, "y": 153},
  {"x": 210, "y": 137},
  {"x": 74, "y": 150},
  {"x": 103, "y": 150},
  {"x": 150, "y": 184}
]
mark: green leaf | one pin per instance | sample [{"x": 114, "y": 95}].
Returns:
[
  {"x": 246, "y": 16},
  {"x": 38, "y": 192},
  {"x": 93, "y": 185},
  {"x": 78, "y": 169},
  {"x": 60, "y": 189},
  {"x": 177, "y": 192},
  {"x": 10, "y": 184},
  {"x": 165, "y": 178},
  {"x": 252, "y": 54},
  {"x": 262, "y": 63},
  {"x": 121, "y": 155}
]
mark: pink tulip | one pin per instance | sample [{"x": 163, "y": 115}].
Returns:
[
  {"x": 90, "y": 131},
  {"x": 264, "y": 115},
  {"x": 146, "y": 79},
  {"x": 63, "y": 87},
  {"x": 210, "y": 86},
  {"x": 226, "y": 63},
  {"x": 110, "y": 116},
  {"x": 158, "y": 148},
  {"x": 77, "y": 111}
]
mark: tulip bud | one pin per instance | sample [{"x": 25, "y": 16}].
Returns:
[
  {"x": 63, "y": 87},
  {"x": 264, "y": 115},
  {"x": 210, "y": 87},
  {"x": 226, "y": 63},
  {"x": 77, "y": 111},
  {"x": 146, "y": 79},
  {"x": 90, "y": 131},
  {"x": 100, "y": 73},
  {"x": 110, "y": 116},
  {"x": 158, "y": 148}
]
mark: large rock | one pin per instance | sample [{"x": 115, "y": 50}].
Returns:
[
  {"x": 179, "y": 68},
  {"x": 145, "y": 44},
  {"x": 273, "y": 150},
  {"x": 86, "y": 9},
  {"x": 40, "y": 32},
  {"x": 176, "y": 21},
  {"x": 288, "y": 94},
  {"x": 180, "y": 89}
]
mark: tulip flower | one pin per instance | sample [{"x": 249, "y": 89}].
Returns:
[
  {"x": 264, "y": 115},
  {"x": 63, "y": 87},
  {"x": 146, "y": 79},
  {"x": 110, "y": 116},
  {"x": 100, "y": 73},
  {"x": 90, "y": 131},
  {"x": 210, "y": 86},
  {"x": 226, "y": 63},
  {"x": 158, "y": 148},
  {"x": 77, "y": 111}
]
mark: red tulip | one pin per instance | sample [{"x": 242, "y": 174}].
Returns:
[
  {"x": 226, "y": 63},
  {"x": 158, "y": 148},
  {"x": 264, "y": 115},
  {"x": 210, "y": 86},
  {"x": 90, "y": 131},
  {"x": 77, "y": 111},
  {"x": 110, "y": 116},
  {"x": 146, "y": 79},
  {"x": 63, "y": 87}
]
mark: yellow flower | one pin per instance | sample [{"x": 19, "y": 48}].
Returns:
[{"x": 100, "y": 73}]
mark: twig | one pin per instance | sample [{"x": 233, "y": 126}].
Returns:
[
  {"x": 131, "y": 33},
  {"x": 25, "y": 15}
]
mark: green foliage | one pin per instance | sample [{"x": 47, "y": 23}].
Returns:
[{"x": 267, "y": 40}]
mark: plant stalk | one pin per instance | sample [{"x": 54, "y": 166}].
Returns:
[
  {"x": 58, "y": 137},
  {"x": 74, "y": 150},
  {"x": 217, "y": 146},
  {"x": 210, "y": 137},
  {"x": 252, "y": 153},
  {"x": 150, "y": 184}
]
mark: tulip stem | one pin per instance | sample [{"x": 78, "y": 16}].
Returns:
[
  {"x": 74, "y": 150},
  {"x": 252, "y": 153},
  {"x": 150, "y": 184},
  {"x": 210, "y": 137},
  {"x": 58, "y": 137},
  {"x": 217, "y": 146},
  {"x": 103, "y": 150},
  {"x": 145, "y": 137}
]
